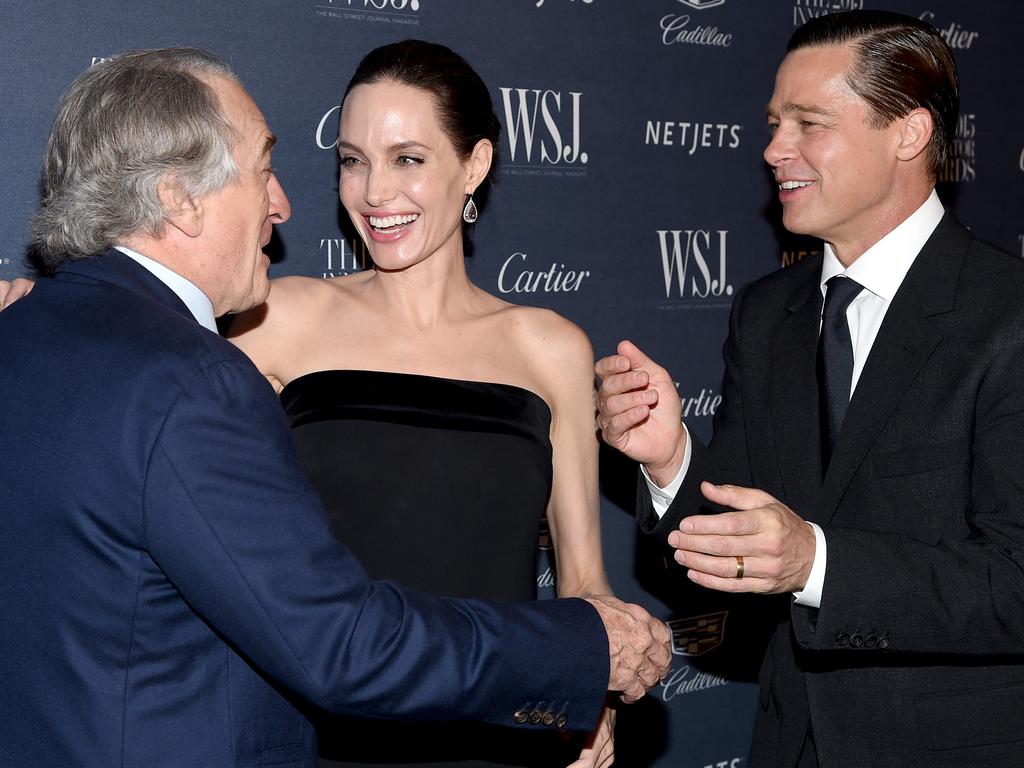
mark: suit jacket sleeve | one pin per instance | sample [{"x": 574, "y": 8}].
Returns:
[
  {"x": 243, "y": 537},
  {"x": 726, "y": 459}
]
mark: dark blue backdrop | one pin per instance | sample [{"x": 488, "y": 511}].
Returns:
[{"x": 632, "y": 198}]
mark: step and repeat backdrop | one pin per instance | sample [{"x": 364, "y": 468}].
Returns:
[{"x": 631, "y": 197}]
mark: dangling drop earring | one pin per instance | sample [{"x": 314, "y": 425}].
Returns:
[{"x": 470, "y": 213}]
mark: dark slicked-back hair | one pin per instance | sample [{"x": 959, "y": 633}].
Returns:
[
  {"x": 900, "y": 63},
  {"x": 462, "y": 100}
]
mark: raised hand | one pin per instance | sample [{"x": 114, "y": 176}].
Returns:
[
  {"x": 639, "y": 412},
  {"x": 638, "y": 646}
]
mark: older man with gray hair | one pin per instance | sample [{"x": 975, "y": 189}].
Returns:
[{"x": 169, "y": 582}]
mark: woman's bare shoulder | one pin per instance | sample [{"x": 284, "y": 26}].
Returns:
[{"x": 545, "y": 334}]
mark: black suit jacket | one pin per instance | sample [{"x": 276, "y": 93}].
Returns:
[{"x": 916, "y": 656}]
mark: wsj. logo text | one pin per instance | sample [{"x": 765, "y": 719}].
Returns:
[
  {"x": 372, "y": 11},
  {"x": 555, "y": 141},
  {"x": 694, "y": 263},
  {"x": 377, "y": 5},
  {"x": 585, "y": 2}
]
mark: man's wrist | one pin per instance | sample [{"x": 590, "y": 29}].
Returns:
[{"x": 661, "y": 474}]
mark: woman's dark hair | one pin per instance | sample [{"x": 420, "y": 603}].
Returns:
[
  {"x": 462, "y": 100},
  {"x": 900, "y": 63}
]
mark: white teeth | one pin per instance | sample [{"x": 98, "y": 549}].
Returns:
[
  {"x": 388, "y": 222},
  {"x": 795, "y": 184}
]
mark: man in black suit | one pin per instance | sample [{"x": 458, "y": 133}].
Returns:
[{"x": 896, "y": 517}]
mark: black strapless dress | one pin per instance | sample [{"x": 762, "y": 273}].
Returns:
[{"x": 440, "y": 485}]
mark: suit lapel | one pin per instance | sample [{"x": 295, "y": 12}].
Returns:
[
  {"x": 908, "y": 336},
  {"x": 794, "y": 395}
]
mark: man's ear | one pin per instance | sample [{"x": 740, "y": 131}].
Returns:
[
  {"x": 915, "y": 133},
  {"x": 182, "y": 211}
]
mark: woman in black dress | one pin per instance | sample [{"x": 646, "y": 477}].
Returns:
[{"x": 438, "y": 422}]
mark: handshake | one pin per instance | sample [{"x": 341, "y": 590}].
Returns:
[{"x": 638, "y": 646}]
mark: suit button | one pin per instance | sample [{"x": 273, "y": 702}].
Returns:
[
  {"x": 535, "y": 717},
  {"x": 548, "y": 719},
  {"x": 520, "y": 716},
  {"x": 842, "y": 639},
  {"x": 870, "y": 641},
  {"x": 856, "y": 641},
  {"x": 561, "y": 720},
  {"x": 883, "y": 642}
]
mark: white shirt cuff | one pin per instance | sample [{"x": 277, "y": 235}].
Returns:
[
  {"x": 662, "y": 497},
  {"x": 810, "y": 596}
]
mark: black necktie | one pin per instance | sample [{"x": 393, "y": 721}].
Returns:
[{"x": 835, "y": 359}]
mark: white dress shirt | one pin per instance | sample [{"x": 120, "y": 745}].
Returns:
[
  {"x": 197, "y": 302},
  {"x": 881, "y": 270}
]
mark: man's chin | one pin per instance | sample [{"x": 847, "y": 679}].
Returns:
[{"x": 797, "y": 225}]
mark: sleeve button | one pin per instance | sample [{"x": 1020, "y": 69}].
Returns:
[
  {"x": 856, "y": 641},
  {"x": 520, "y": 716},
  {"x": 842, "y": 639}
]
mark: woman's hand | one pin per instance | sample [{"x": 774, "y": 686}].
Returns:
[{"x": 600, "y": 749}]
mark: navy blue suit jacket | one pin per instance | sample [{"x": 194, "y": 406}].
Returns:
[{"x": 169, "y": 581}]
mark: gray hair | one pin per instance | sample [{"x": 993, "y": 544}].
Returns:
[{"x": 121, "y": 126}]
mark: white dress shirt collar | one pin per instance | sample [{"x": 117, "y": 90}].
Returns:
[
  {"x": 882, "y": 267},
  {"x": 197, "y": 302}
]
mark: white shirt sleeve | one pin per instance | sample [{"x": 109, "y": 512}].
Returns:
[
  {"x": 662, "y": 497},
  {"x": 810, "y": 596}
]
